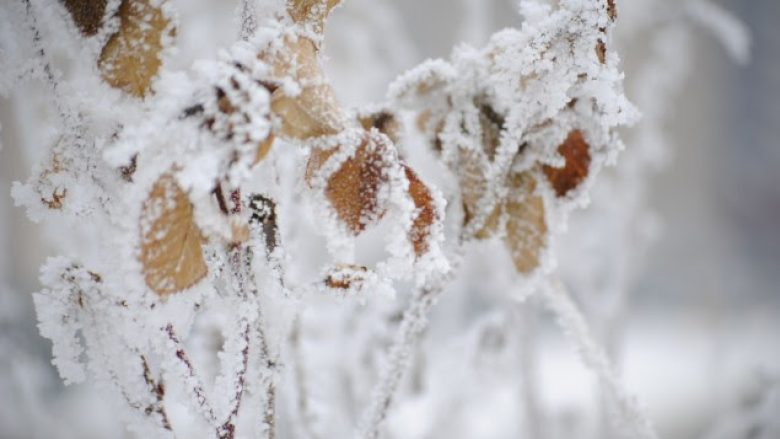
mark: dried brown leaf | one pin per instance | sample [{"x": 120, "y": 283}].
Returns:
[
  {"x": 601, "y": 51},
  {"x": 354, "y": 187},
  {"x": 87, "y": 14},
  {"x": 526, "y": 228},
  {"x": 576, "y": 153},
  {"x": 420, "y": 233},
  {"x": 310, "y": 10},
  {"x": 171, "y": 243},
  {"x": 131, "y": 57},
  {"x": 352, "y": 190},
  {"x": 314, "y": 111},
  {"x": 611, "y": 10},
  {"x": 264, "y": 148}
]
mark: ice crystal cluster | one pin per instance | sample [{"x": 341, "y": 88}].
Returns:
[{"x": 244, "y": 256}]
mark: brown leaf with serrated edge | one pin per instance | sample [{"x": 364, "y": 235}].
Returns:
[
  {"x": 87, "y": 14},
  {"x": 526, "y": 228},
  {"x": 420, "y": 233},
  {"x": 352, "y": 190},
  {"x": 171, "y": 243},
  {"x": 576, "y": 153},
  {"x": 131, "y": 57},
  {"x": 314, "y": 111}
]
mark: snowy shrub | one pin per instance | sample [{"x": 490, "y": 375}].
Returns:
[{"x": 250, "y": 258}]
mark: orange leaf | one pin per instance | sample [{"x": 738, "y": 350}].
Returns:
[
  {"x": 576, "y": 153},
  {"x": 426, "y": 213},
  {"x": 352, "y": 190}
]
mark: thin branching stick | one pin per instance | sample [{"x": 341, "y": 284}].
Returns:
[{"x": 575, "y": 327}]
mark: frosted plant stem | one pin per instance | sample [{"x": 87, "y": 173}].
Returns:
[
  {"x": 158, "y": 392},
  {"x": 66, "y": 115},
  {"x": 241, "y": 264},
  {"x": 526, "y": 318},
  {"x": 299, "y": 370},
  {"x": 228, "y": 428},
  {"x": 576, "y": 329},
  {"x": 399, "y": 358},
  {"x": 269, "y": 410},
  {"x": 193, "y": 382},
  {"x": 248, "y": 17}
]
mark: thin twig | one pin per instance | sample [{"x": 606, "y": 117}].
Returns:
[
  {"x": 228, "y": 428},
  {"x": 248, "y": 17},
  {"x": 575, "y": 327},
  {"x": 67, "y": 116},
  {"x": 196, "y": 387},
  {"x": 158, "y": 391},
  {"x": 526, "y": 318},
  {"x": 299, "y": 371},
  {"x": 399, "y": 359}
]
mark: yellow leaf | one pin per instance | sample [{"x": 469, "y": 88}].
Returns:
[
  {"x": 131, "y": 57},
  {"x": 576, "y": 153},
  {"x": 171, "y": 243}
]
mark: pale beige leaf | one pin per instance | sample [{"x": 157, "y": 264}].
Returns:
[
  {"x": 171, "y": 243},
  {"x": 314, "y": 111},
  {"x": 526, "y": 228},
  {"x": 310, "y": 10},
  {"x": 131, "y": 57}
]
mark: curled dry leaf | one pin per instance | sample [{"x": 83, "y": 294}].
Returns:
[
  {"x": 353, "y": 189},
  {"x": 425, "y": 216},
  {"x": 171, "y": 243},
  {"x": 385, "y": 122},
  {"x": 346, "y": 276},
  {"x": 131, "y": 57},
  {"x": 576, "y": 153},
  {"x": 87, "y": 14},
  {"x": 526, "y": 228},
  {"x": 314, "y": 111}
]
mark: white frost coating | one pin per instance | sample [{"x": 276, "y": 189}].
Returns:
[{"x": 290, "y": 330}]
